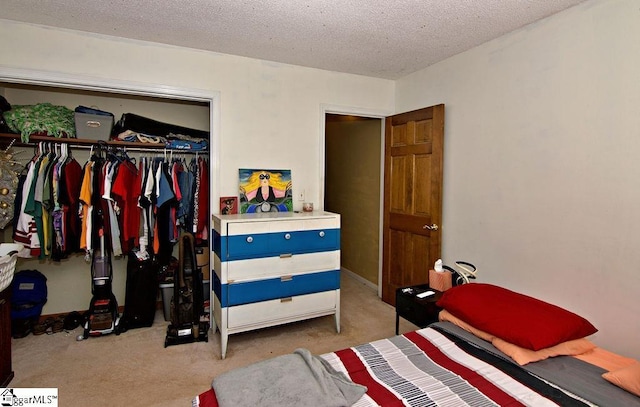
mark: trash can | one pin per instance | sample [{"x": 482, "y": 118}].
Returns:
[{"x": 166, "y": 290}]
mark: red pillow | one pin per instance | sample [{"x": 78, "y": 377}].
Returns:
[{"x": 522, "y": 320}]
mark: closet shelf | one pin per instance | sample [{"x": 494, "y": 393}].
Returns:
[{"x": 86, "y": 142}]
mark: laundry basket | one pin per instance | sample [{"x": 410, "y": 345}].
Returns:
[{"x": 8, "y": 258}]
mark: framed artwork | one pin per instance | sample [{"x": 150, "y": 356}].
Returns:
[
  {"x": 228, "y": 205},
  {"x": 265, "y": 191}
]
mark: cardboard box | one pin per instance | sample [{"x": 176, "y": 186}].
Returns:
[
  {"x": 202, "y": 261},
  {"x": 93, "y": 126}
]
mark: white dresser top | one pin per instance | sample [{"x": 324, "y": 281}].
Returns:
[{"x": 268, "y": 216}]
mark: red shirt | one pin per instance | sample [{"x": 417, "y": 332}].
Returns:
[{"x": 126, "y": 191}]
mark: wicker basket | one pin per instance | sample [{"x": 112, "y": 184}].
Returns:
[{"x": 8, "y": 259}]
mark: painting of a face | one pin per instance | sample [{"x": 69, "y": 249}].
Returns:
[
  {"x": 264, "y": 179},
  {"x": 265, "y": 191},
  {"x": 228, "y": 205}
]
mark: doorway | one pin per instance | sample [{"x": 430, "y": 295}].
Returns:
[{"x": 353, "y": 188}]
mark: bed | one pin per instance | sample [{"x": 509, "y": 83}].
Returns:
[{"x": 454, "y": 362}]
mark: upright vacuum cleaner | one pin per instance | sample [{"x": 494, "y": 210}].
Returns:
[
  {"x": 103, "y": 317},
  {"x": 187, "y": 304}
]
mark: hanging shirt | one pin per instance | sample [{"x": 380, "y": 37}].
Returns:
[
  {"x": 47, "y": 205},
  {"x": 175, "y": 222},
  {"x": 57, "y": 246},
  {"x": 143, "y": 202},
  {"x": 113, "y": 234},
  {"x": 86, "y": 208},
  {"x": 186, "y": 183},
  {"x": 126, "y": 191},
  {"x": 196, "y": 199},
  {"x": 201, "y": 232},
  {"x": 26, "y": 229},
  {"x": 69, "y": 198},
  {"x": 34, "y": 203}
]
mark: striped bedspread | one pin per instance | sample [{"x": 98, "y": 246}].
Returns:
[
  {"x": 434, "y": 367},
  {"x": 428, "y": 368}
]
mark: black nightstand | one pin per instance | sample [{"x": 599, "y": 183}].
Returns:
[{"x": 418, "y": 311}]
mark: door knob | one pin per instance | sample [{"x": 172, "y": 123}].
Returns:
[{"x": 432, "y": 227}]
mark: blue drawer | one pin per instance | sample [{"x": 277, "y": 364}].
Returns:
[
  {"x": 216, "y": 243},
  {"x": 273, "y": 288},
  {"x": 274, "y": 244}
]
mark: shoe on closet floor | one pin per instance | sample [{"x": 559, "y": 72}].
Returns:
[
  {"x": 58, "y": 324},
  {"x": 20, "y": 328},
  {"x": 43, "y": 327}
]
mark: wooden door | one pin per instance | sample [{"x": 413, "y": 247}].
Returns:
[{"x": 412, "y": 198}]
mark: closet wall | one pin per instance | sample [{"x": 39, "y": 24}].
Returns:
[{"x": 69, "y": 281}]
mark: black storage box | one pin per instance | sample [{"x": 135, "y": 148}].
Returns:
[{"x": 144, "y": 125}]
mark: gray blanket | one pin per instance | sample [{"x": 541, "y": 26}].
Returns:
[
  {"x": 298, "y": 379},
  {"x": 568, "y": 373}
]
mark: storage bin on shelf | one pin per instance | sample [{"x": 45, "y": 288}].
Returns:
[{"x": 93, "y": 124}]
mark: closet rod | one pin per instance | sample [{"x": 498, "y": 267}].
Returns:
[
  {"x": 139, "y": 149},
  {"x": 85, "y": 143}
]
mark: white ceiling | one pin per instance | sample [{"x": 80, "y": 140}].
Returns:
[{"x": 378, "y": 38}]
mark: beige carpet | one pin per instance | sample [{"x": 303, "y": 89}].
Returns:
[{"x": 135, "y": 369}]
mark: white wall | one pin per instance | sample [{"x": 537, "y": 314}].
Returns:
[
  {"x": 270, "y": 113},
  {"x": 542, "y": 167}
]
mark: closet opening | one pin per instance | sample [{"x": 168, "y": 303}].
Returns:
[{"x": 69, "y": 280}]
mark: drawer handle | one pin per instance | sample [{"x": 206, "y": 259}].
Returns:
[
  {"x": 286, "y": 255},
  {"x": 287, "y": 236},
  {"x": 288, "y": 299},
  {"x": 286, "y": 278},
  {"x": 249, "y": 239},
  {"x": 321, "y": 234}
]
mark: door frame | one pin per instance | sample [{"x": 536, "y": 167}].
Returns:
[{"x": 363, "y": 112}]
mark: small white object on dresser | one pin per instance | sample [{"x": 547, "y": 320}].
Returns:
[{"x": 273, "y": 268}]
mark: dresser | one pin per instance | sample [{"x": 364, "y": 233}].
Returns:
[
  {"x": 274, "y": 268},
  {"x": 6, "y": 372}
]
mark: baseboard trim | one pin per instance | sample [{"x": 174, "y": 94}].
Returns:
[
  {"x": 360, "y": 279},
  {"x": 43, "y": 318}
]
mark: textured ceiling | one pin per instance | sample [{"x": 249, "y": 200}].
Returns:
[{"x": 378, "y": 38}]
